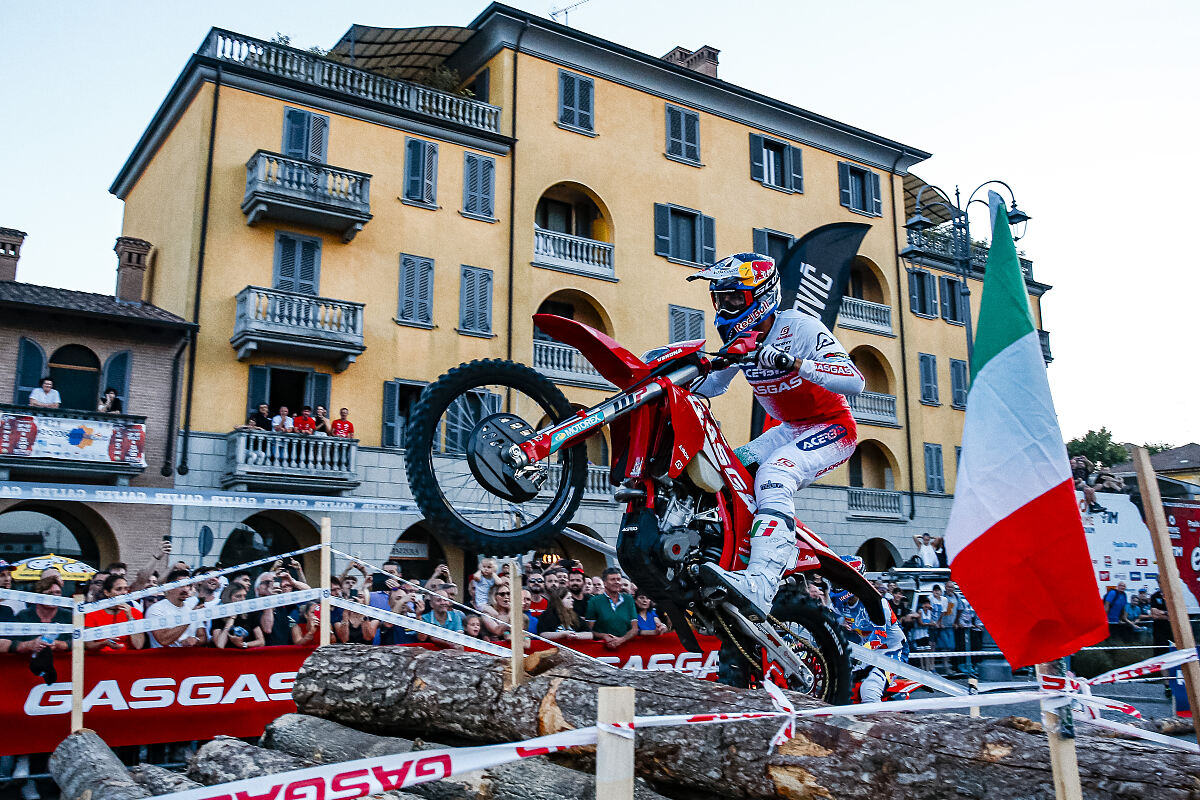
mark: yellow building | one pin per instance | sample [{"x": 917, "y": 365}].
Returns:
[{"x": 343, "y": 235}]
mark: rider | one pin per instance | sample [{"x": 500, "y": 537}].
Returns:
[{"x": 799, "y": 376}]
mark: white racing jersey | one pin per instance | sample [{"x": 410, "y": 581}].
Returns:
[{"x": 814, "y": 391}]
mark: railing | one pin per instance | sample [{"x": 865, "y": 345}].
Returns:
[
  {"x": 573, "y": 253},
  {"x": 941, "y": 245},
  {"x": 865, "y": 315},
  {"x": 595, "y": 487},
  {"x": 873, "y": 407},
  {"x": 565, "y": 364},
  {"x": 1044, "y": 339},
  {"x": 873, "y": 502},
  {"x": 304, "y": 180},
  {"x": 325, "y": 73},
  {"x": 290, "y": 455},
  {"x": 298, "y": 313}
]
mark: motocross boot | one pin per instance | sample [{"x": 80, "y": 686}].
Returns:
[{"x": 772, "y": 551}]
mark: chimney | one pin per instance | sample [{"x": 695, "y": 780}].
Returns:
[
  {"x": 703, "y": 60},
  {"x": 10, "y": 252},
  {"x": 131, "y": 267}
]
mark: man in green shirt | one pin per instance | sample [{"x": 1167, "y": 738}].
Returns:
[{"x": 612, "y": 615}]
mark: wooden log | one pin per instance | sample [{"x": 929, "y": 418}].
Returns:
[
  {"x": 402, "y": 690},
  {"x": 85, "y": 768},
  {"x": 324, "y": 741},
  {"x": 159, "y": 780}
]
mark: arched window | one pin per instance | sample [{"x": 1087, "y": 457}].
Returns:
[
  {"x": 75, "y": 371},
  {"x": 257, "y": 537},
  {"x": 27, "y": 533}
]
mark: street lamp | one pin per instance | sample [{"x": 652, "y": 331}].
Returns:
[{"x": 960, "y": 248}]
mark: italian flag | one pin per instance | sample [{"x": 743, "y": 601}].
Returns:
[{"x": 1015, "y": 538}]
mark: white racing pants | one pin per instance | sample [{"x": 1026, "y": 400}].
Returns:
[{"x": 791, "y": 456}]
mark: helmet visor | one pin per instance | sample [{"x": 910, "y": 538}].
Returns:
[{"x": 731, "y": 302}]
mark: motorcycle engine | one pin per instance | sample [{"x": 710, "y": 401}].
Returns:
[{"x": 677, "y": 539}]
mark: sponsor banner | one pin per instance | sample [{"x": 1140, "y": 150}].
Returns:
[
  {"x": 662, "y": 653},
  {"x": 108, "y": 441},
  {"x": 146, "y": 696},
  {"x": 1183, "y": 523}
]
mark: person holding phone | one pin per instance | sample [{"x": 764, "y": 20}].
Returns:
[
  {"x": 109, "y": 402},
  {"x": 241, "y": 631}
]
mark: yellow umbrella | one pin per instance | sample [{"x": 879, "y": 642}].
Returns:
[{"x": 70, "y": 569}]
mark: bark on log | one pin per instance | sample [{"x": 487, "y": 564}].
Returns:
[
  {"x": 85, "y": 768},
  {"x": 159, "y": 780},
  {"x": 325, "y": 741},
  {"x": 399, "y": 690}
]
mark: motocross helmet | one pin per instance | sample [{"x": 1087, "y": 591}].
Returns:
[
  {"x": 859, "y": 567},
  {"x": 744, "y": 289}
]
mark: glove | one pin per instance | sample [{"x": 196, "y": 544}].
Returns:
[{"x": 772, "y": 358}]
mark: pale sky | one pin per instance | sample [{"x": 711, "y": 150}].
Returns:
[{"x": 1086, "y": 110}]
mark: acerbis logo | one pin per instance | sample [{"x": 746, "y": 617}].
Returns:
[
  {"x": 827, "y": 436},
  {"x": 196, "y": 690},
  {"x": 578, "y": 427}
]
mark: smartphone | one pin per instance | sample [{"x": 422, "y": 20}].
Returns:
[{"x": 166, "y": 538}]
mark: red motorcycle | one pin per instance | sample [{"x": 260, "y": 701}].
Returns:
[{"x": 497, "y": 463}]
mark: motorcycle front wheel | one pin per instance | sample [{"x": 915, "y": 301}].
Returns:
[{"x": 439, "y": 433}]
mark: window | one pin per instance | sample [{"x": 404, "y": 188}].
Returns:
[
  {"x": 922, "y": 293},
  {"x": 116, "y": 375},
  {"x": 463, "y": 415},
  {"x": 953, "y": 299},
  {"x": 860, "y": 189},
  {"x": 416, "y": 291},
  {"x": 772, "y": 243},
  {"x": 420, "y": 172},
  {"x": 929, "y": 381},
  {"x": 479, "y": 184},
  {"x": 957, "y": 457},
  {"x": 776, "y": 164},
  {"x": 31, "y": 368},
  {"x": 291, "y": 387},
  {"x": 935, "y": 480},
  {"x": 475, "y": 301},
  {"x": 75, "y": 371},
  {"x": 399, "y": 399},
  {"x": 480, "y": 88},
  {"x": 684, "y": 235},
  {"x": 683, "y": 134},
  {"x": 958, "y": 383},
  {"x": 305, "y": 135},
  {"x": 684, "y": 324},
  {"x": 575, "y": 102},
  {"x": 297, "y": 263}
]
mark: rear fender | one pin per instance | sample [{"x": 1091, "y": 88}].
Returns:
[{"x": 609, "y": 358}]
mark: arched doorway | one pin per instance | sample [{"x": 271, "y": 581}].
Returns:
[
  {"x": 419, "y": 552},
  {"x": 75, "y": 371},
  {"x": 874, "y": 367},
  {"x": 878, "y": 555},
  {"x": 867, "y": 281},
  {"x": 561, "y": 362},
  {"x": 573, "y": 209},
  {"x": 593, "y": 560},
  {"x": 271, "y": 533},
  {"x": 40, "y": 529},
  {"x": 872, "y": 466}
]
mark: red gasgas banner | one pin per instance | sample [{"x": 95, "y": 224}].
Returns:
[
  {"x": 167, "y": 695},
  {"x": 1183, "y": 523},
  {"x": 662, "y": 652}
]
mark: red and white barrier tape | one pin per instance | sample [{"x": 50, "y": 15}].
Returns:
[
  {"x": 187, "y": 616},
  {"x": 420, "y": 626}
]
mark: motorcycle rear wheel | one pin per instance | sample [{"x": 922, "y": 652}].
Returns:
[{"x": 453, "y": 502}]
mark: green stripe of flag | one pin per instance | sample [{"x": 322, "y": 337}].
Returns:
[{"x": 1004, "y": 315}]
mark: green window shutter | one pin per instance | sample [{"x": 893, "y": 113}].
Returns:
[
  {"x": 116, "y": 375},
  {"x": 475, "y": 313},
  {"x": 708, "y": 240},
  {"x": 566, "y": 99},
  {"x": 584, "y": 109},
  {"x": 309, "y": 272},
  {"x": 286, "y": 248},
  {"x": 407, "y": 308},
  {"x": 935, "y": 480},
  {"x": 429, "y": 186},
  {"x": 691, "y": 136},
  {"x": 318, "y": 390},
  {"x": 471, "y": 183},
  {"x": 684, "y": 324},
  {"x": 31, "y": 367},
  {"x": 424, "y": 286},
  {"x": 760, "y": 241},
  {"x": 259, "y": 389},
  {"x": 318, "y": 138},
  {"x": 295, "y": 133},
  {"x": 795, "y": 166},
  {"x": 844, "y": 184},
  {"x": 487, "y": 186},
  {"x": 930, "y": 293},
  {"x": 485, "y": 300},
  {"x": 391, "y": 402},
  {"x": 875, "y": 206},
  {"x": 675, "y": 141},
  {"x": 959, "y": 382},
  {"x": 662, "y": 230},
  {"x": 929, "y": 387},
  {"x": 944, "y": 286},
  {"x": 414, "y": 161},
  {"x": 696, "y": 324},
  {"x": 914, "y": 292},
  {"x": 758, "y": 168}
]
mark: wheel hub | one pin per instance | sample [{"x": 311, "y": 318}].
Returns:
[{"x": 487, "y": 457}]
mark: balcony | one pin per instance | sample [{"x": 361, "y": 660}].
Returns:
[
  {"x": 331, "y": 76},
  {"x": 940, "y": 246},
  {"x": 876, "y": 503},
  {"x": 273, "y": 321},
  {"x": 1044, "y": 338},
  {"x": 52, "y": 443},
  {"x": 863, "y": 315},
  {"x": 595, "y": 487},
  {"x": 574, "y": 254},
  {"x": 874, "y": 408},
  {"x": 301, "y": 192},
  {"x": 255, "y": 460},
  {"x": 563, "y": 364}
]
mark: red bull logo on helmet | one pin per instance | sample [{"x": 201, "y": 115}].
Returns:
[{"x": 753, "y": 273}]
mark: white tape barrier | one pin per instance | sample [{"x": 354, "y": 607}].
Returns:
[
  {"x": 420, "y": 626},
  {"x": 1161, "y": 663},
  {"x": 153, "y": 591},
  {"x": 876, "y": 658},
  {"x": 33, "y": 598},
  {"x": 188, "y": 616},
  {"x": 34, "y": 628}
]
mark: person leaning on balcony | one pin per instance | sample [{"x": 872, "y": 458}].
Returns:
[
  {"x": 109, "y": 402},
  {"x": 342, "y": 426},
  {"x": 281, "y": 422},
  {"x": 260, "y": 420},
  {"x": 45, "y": 396},
  {"x": 321, "y": 418},
  {"x": 304, "y": 422}
]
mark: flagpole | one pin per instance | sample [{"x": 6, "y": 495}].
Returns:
[{"x": 1060, "y": 730}]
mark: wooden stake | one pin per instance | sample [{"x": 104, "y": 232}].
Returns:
[
  {"x": 614, "y": 754},
  {"x": 516, "y": 624},
  {"x": 1168, "y": 572},
  {"x": 77, "y": 665},
  {"x": 326, "y": 559},
  {"x": 973, "y": 688},
  {"x": 1061, "y": 732}
]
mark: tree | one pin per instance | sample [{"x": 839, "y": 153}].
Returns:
[
  {"x": 1098, "y": 447},
  {"x": 1157, "y": 447}
]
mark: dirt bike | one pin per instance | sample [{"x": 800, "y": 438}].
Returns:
[{"x": 497, "y": 462}]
